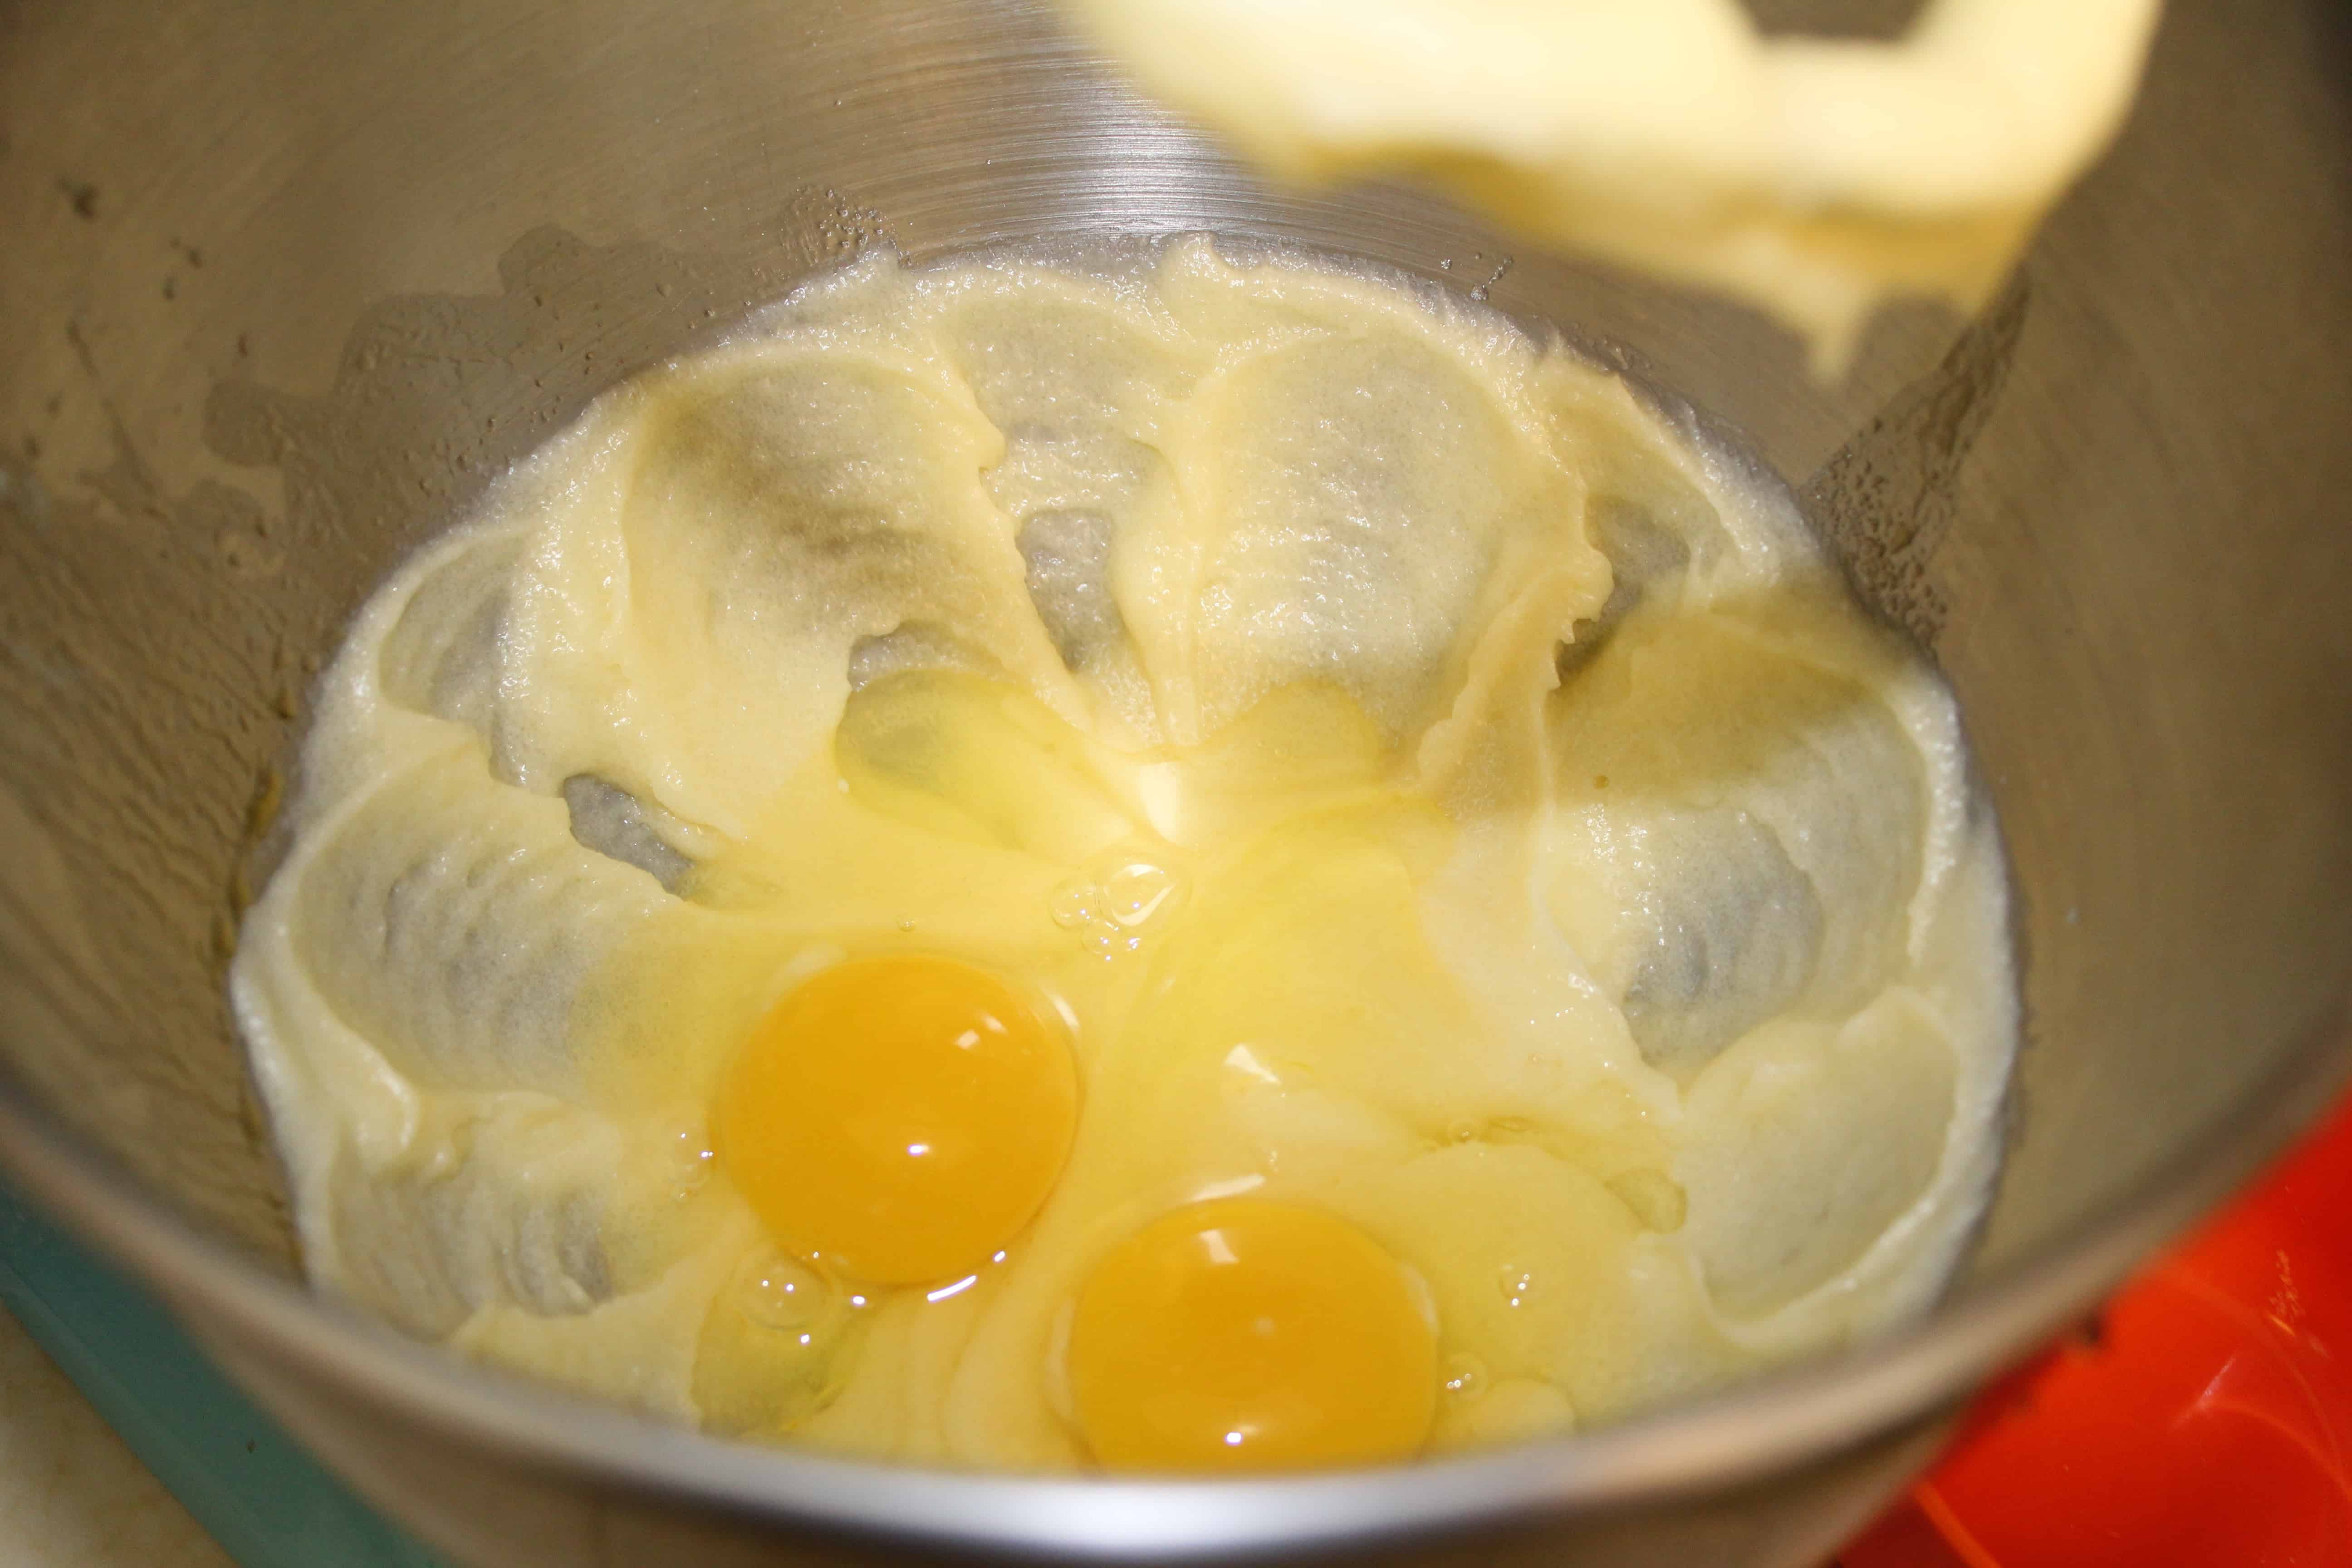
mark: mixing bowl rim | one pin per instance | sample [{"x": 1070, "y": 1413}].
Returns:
[{"x": 1806, "y": 1412}]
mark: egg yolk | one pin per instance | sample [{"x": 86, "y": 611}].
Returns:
[
  {"x": 901, "y": 1118},
  {"x": 1245, "y": 1334}
]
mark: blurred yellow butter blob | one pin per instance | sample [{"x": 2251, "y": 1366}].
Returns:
[
  {"x": 1811, "y": 176},
  {"x": 1243, "y": 1334},
  {"x": 900, "y": 1117}
]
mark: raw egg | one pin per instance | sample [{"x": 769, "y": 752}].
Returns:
[
  {"x": 1244, "y": 1333},
  {"x": 900, "y": 1117}
]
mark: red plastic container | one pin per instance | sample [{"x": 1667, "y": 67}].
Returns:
[{"x": 2203, "y": 1421}]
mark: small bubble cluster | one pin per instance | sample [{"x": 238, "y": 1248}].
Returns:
[
  {"x": 1517, "y": 1285},
  {"x": 1465, "y": 1377},
  {"x": 1115, "y": 904}
]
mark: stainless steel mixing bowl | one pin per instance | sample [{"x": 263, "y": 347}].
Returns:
[{"x": 283, "y": 283}]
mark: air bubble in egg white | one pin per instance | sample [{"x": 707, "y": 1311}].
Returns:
[
  {"x": 1517, "y": 1284},
  {"x": 1135, "y": 892},
  {"x": 1071, "y": 904},
  {"x": 691, "y": 1158},
  {"x": 1466, "y": 1376},
  {"x": 777, "y": 1291}
]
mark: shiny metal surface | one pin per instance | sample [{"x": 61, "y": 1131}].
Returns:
[{"x": 284, "y": 284}]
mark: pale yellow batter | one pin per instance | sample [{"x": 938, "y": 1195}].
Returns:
[
  {"x": 1439, "y": 806},
  {"x": 1813, "y": 177}
]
